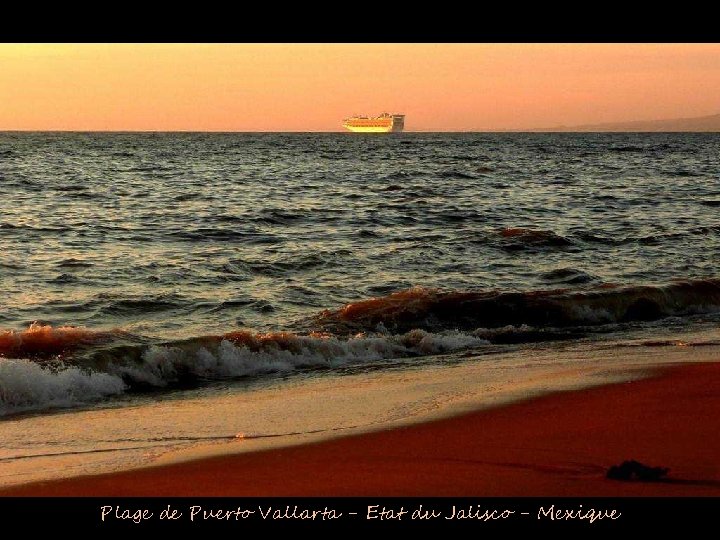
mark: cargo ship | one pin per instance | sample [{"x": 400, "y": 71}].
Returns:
[{"x": 385, "y": 123}]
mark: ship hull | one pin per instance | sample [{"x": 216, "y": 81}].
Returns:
[{"x": 366, "y": 129}]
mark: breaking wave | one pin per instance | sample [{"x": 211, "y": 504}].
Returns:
[
  {"x": 47, "y": 367},
  {"x": 435, "y": 310},
  {"x": 28, "y": 385},
  {"x": 40, "y": 340}
]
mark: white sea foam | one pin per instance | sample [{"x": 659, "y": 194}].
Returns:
[
  {"x": 165, "y": 364},
  {"x": 25, "y": 385}
]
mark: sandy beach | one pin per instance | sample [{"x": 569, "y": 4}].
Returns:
[{"x": 555, "y": 445}]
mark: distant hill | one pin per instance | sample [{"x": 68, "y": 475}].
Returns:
[{"x": 700, "y": 123}]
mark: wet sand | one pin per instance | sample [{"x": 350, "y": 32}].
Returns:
[{"x": 555, "y": 445}]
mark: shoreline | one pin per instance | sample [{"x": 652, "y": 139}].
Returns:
[{"x": 558, "y": 444}]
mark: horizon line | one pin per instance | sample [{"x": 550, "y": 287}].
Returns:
[{"x": 220, "y": 132}]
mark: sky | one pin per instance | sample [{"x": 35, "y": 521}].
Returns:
[{"x": 312, "y": 87}]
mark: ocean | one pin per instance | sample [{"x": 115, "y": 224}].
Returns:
[{"x": 164, "y": 291}]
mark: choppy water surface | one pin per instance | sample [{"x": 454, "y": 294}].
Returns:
[{"x": 155, "y": 260}]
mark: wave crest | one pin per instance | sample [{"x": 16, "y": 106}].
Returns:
[
  {"x": 434, "y": 309},
  {"x": 27, "y": 385},
  {"x": 40, "y": 340},
  {"x": 522, "y": 237}
]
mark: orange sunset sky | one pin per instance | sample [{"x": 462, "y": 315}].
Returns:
[{"x": 311, "y": 87}]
